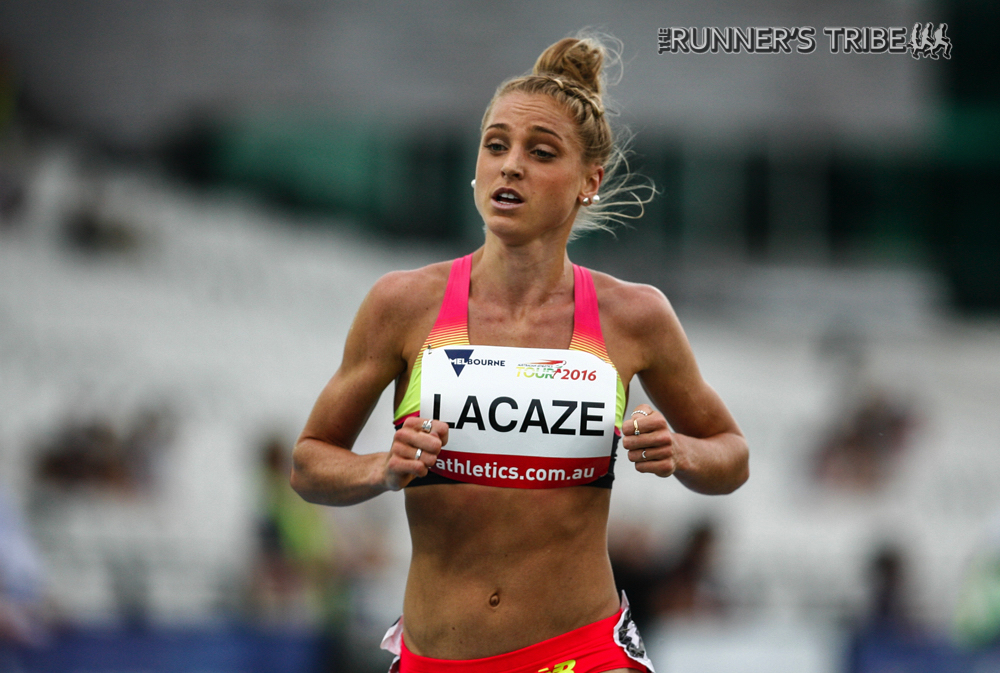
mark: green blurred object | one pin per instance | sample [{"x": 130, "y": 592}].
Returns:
[
  {"x": 966, "y": 179},
  {"x": 969, "y": 135},
  {"x": 977, "y": 621},
  {"x": 395, "y": 182},
  {"x": 303, "y": 532},
  {"x": 966, "y": 182}
]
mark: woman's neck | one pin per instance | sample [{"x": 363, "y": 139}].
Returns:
[{"x": 527, "y": 275}]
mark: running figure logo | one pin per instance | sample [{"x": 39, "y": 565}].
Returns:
[{"x": 929, "y": 43}]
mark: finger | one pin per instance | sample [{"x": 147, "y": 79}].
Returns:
[
  {"x": 661, "y": 468},
  {"x": 643, "y": 410},
  {"x": 660, "y": 452},
  {"x": 660, "y": 461},
  {"x": 437, "y": 428},
  {"x": 641, "y": 417},
  {"x": 412, "y": 458},
  {"x": 646, "y": 455},
  {"x": 417, "y": 454},
  {"x": 405, "y": 438},
  {"x": 417, "y": 424},
  {"x": 415, "y": 468},
  {"x": 645, "y": 419},
  {"x": 429, "y": 443},
  {"x": 427, "y": 425},
  {"x": 648, "y": 440},
  {"x": 402, "y": 470}
]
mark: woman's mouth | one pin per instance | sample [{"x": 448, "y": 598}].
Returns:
[{"x": 506, "y": 198}]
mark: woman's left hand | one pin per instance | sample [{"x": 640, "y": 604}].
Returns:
[{"x": 653, "y": 450}]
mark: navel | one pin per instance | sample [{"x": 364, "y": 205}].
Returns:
[{"x": 495, "y": 599}]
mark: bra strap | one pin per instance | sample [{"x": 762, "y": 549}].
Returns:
[
  {"x": 452, "y": 325},
  {"x": 587, "y": 334}
]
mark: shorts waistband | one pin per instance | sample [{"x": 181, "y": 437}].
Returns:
[{"x": 510, "y": 661}]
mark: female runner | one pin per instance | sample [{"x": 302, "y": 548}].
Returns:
[{"x": 511, "y": 368}]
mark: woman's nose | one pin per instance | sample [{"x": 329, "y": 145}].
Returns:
[{"x": 512, "y": 166}]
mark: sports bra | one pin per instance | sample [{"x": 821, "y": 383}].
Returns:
[{"x": 577, "y": 389}]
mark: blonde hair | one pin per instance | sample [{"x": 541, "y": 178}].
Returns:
[{"x": 572, "y": 71}]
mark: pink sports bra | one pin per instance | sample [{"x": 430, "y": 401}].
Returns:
[{"x": 451, "y": 330}]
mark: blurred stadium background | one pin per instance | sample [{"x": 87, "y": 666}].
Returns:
[{"x": 195, "y": 196}]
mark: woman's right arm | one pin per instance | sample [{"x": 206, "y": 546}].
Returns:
[{"x": 324, "y": 469}]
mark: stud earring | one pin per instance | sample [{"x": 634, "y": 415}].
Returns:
[
  {"x": 586, "y": 200},
  {"x": 597, "y": 198},
  {"x": 473, "y": 183}
]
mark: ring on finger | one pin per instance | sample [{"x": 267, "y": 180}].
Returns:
[
  {"x": 644, "y": 455},
  {"x": 426, "y": 426},
  {"x": 635, "y": 426},
  {"x": 639, "y": 411},
  {"x": 419, "y": 452}
]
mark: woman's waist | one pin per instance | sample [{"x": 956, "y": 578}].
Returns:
[{"x": 459, "y": 616}]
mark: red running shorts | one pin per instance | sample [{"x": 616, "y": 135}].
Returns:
[{"x": 605, "y": 645}]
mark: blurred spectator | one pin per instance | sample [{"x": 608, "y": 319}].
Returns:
[
  {"x": 12, "y": 190},
  {"x": 638, "y": 569},
  {"x": 861, "y": 452},
  {"x": 93, "y": 456},
  {"x": 977, "y": 617},
  {"x": 83, "y": 453},
  {"x": 8, "y": 91},
  {"x": 12, "y": 197},
  {"x": 21, "y": 584},
  {"x": 297, "y": 580},
  {"x": 887, "y": 625},
  {"x": 687, "y": 589},
  {"x": 658, "y": 588},
  {"x": 889, "y": 608},
  {"x": 151, "y": 431},
  {"x": 88, "y": 231},
  {"x": 93, "y": 453}
]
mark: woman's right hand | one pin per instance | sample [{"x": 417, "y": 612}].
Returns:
[{"x": 403, "y": 463}]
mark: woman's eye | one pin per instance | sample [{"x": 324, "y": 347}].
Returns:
[
  {"x": 544, "y": 154},
  {"x": 494, "y": 147}
]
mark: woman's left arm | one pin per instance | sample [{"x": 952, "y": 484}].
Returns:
[{"x": 693, "y": 436}]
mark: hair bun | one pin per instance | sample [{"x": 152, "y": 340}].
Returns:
[{"x": 579, "y": 60}]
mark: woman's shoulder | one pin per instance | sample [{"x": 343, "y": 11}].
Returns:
[
  {"x": 640, "y": 327},
  {"x": 412, "y": 283},
  {"x": 631, "y": 307},
  {"x": 399, "y": 297}
]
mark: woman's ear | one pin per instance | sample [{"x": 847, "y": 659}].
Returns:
[{"x": 594, "y": 180}]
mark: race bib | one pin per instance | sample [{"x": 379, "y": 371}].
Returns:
[{"x": 521, "y": 417}]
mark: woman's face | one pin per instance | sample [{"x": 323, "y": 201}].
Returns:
[{"x": 530, "y": 175}]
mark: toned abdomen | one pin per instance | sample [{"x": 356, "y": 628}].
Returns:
[{"x": 497, "y": 569}]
